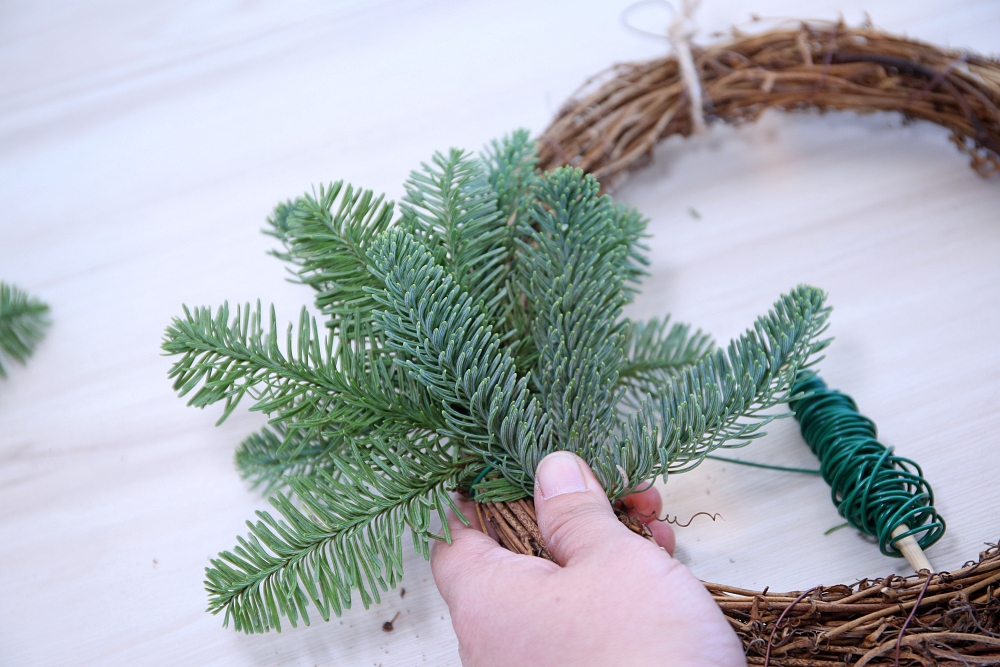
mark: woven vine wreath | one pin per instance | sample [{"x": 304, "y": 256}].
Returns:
[
  {"x": 479, "y": 329},
  {"x": 612, "y": 124}
]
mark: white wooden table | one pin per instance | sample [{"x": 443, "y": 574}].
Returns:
[{"x": 142, "y": 145}]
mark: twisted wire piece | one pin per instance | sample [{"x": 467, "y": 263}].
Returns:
[{"x": 873, "y": 489}]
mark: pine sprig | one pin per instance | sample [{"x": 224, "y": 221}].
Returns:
[
  {"x": 326, "y": 234},
  {"x": 346, "y": 538},
  {"x": 510, "y": 165},
  {"x": 454, "y": 214},
  {"x": 572, "y": 264},
  {"x": 655, "y": 352},
  {"x": 443, "y": 340},
  {"x": 632, "y": 225},
  {"x": 270, "y": 457},
  {"x": 464, "y": 340},
  {"x": 23, "y": 320},
  {"x": 313, "y": 385},
  {"x": 723, "y": 399}
]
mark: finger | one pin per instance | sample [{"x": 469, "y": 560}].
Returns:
[
  {"x": 468, "y": 510},
  {"x": 646, "y": 507},
  {"x": 470, "y": 553},
  {"x": 646, "y": 504},
  {"x": 663, "y": 534},
  {"x": 573, "y": 511}
]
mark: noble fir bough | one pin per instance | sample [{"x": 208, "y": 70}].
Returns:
[
  {"x": 23, "y": 320},
  {"x": 459, "y": 342}
]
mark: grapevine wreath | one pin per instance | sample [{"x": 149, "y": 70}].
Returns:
[{"x": 481, "y": 328}]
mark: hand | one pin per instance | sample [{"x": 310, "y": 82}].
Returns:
[{"x": 613, "y": 599}]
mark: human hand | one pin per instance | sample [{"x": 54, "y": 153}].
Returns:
[{"x": 614, "y": 598}]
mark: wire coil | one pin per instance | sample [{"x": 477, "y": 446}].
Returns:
[{"x": 873, "y": 489}]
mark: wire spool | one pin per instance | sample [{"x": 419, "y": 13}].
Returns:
[{"x": 876, "y": 491}]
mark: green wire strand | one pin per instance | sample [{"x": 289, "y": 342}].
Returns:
[
  {"x": 766, "y": 466},
  {"x": 872, "y": 488},
  {"x": 477, "y": 480}
]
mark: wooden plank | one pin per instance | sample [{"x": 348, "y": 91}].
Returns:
[{"x": 142, "y": 145}]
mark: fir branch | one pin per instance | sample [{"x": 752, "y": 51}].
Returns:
[
  {"x": 327, "y": 235},
  {"x": 632, "y": 225},
  {"x": 465, "y": 343},
  {"x": 278, "y": 228},
  {"x": 347, "y": 537},
  {"x": 23, "y": 320},
  {"x": 351, "y": 387},
  {"x": 722, "y": 400},
  {"x": 270, "y": 457},
  {"x": 656, "y": 352},
  {"x": 453, "y": 213},
  {"x": 443, "y": 339},
  {"x": 511, "y": 172},
  {"x": 571, "y": 266}
]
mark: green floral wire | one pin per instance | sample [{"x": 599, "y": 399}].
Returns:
[
  {"x": 875, "y": 490},
  {"x": 477, "y": 480},
  {"x": 765, "y": 466}
]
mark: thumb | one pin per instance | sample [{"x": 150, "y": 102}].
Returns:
[{"x": 573, "y": 511}]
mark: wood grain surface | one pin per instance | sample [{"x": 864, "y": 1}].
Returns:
[{"x": 143, "y": 144}]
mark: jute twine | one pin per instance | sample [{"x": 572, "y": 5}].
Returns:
[{"x": 613, "y": 124}]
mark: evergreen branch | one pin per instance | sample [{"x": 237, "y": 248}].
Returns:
[
  {"x": 351, "y": 387},
  {"x": 632, "y": 225},
  {"x": 281, "y": 451},
  {"x": 327, "y": 235},
  {"x": 655, "y": 352},
  {"x": 444, "y": 341},
  {"x": 275, "y": 454},
  {"x": 511, "y": 172},
  {"x": 453, "y": 213},
  {"x": 722, "y": 399},
  {"x": 498, "y": 489},
  {"x": 346, "y": 538},
  {"x": 278, "y": 228},
  {"x": 571, "y": 266},
  {"x": 23, "y": 320}
]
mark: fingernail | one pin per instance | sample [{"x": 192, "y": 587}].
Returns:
[{"x": 560, "y": 473}]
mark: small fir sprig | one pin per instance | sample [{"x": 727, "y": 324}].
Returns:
[
  {"x": 23, "y": 320},
  {"x": 461, "y": 341}
]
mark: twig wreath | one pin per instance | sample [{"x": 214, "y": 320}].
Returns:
[
  {"x": 611, "y": 126},
  {"x": 481, "y": 328}
]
